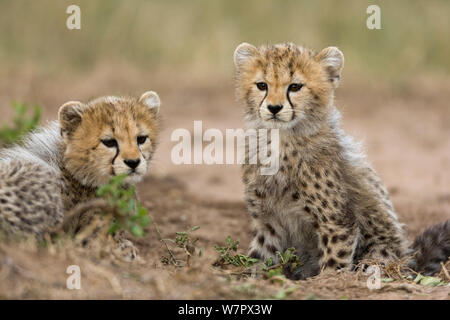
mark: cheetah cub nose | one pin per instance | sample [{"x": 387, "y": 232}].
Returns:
[
  {"x": 132, "y": 163},
  {"x": 274, "y": 109}
]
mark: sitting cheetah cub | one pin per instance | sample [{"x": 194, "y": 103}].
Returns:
[
  {"x": 325, "y": 200},
  {"x": 62, "y": 165}
]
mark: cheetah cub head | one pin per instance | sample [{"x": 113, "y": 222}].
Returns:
[
  {"x": 109, "y": 136},
  {"x": 286, "y": 86}
]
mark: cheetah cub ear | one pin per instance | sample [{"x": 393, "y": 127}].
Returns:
[
  {"x": 69, "y": 115},
  {"x": 243, "y": 53},
  {"x": 151, "y": 100},
  {"x": 333, "y": 60}
]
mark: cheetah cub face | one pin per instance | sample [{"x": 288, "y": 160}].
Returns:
[
  {"x": 109, "y": 136},
  {"x": 285, "y": 85}
]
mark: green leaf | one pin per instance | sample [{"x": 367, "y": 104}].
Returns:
[
  {"x": 131, "y": 205},
  {"x": 137, "y": 231},
  {"x": 145, "y": 220},
  {"x": 431, "y": 281},
  {"x": 142, "y": 211},
  {"x": 274, "y": 272},
  {"x": 418, "y": 278}
]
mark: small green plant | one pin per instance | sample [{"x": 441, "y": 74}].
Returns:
[
  {"x": 288, "y": 261},
  {"x": 271, "y": 270},
  {"x": 267, "y": 264},
  {"x": 184, "y": 241},
  {"x": 22, "y": 123},
  {"x": 128, "y": 213},
  {"x": 228, "y": 255}
]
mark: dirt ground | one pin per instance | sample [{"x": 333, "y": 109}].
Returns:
[{"x": 405, "y": 131}]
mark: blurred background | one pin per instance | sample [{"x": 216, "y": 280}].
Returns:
[
  {"x": 200, "y": 35},
  {"x": 394, "y": 94}
]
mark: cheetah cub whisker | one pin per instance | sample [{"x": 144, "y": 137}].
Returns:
[
  {"x": 61, "y": 165},
  {"x": 325, "y": 200}
]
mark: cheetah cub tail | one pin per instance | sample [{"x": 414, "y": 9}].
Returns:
[{"x": 431, "y": 248}]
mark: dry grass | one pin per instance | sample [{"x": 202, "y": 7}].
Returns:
[{"x": 30, "y": 271}]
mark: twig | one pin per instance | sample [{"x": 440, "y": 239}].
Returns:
[
  {"x": 445, "y": 271},
  {"x": 174, "y": 261},
  {"x": 275, "y": 266}
]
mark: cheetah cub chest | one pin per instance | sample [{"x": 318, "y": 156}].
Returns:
[{"x": 325, "y": 200}]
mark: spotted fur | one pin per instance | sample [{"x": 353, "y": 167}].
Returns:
[
  {"x": 326, "y": 201},
  {"x": 61, "y": 165}
]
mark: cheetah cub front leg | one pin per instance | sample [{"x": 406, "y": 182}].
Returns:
[
  {"x": 266, "y": 241},
  {"x": 325, "y": 241},
  {"x": 337, "y": 245},
  {"x": 89, "y": 222},
  {"x": 89, "y": 227}
]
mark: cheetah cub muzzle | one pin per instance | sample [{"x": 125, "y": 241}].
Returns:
[{"x": 325, "y": 200}]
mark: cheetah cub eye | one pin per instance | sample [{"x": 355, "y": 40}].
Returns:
[
  {"x": 110, "y": 143},
  {"x": 261, "y": 86},
  {"x": 141, "y": 139},
  {"x": 294, "y": 87}
]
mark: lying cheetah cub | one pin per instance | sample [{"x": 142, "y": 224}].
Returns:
[
  {"x": 325, "y": 200},
  {"x": 60, "y": 166}
]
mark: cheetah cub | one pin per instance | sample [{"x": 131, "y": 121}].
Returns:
[
  {"x": 325, "y": 200},
  {"x": 61, "y": 165}
]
